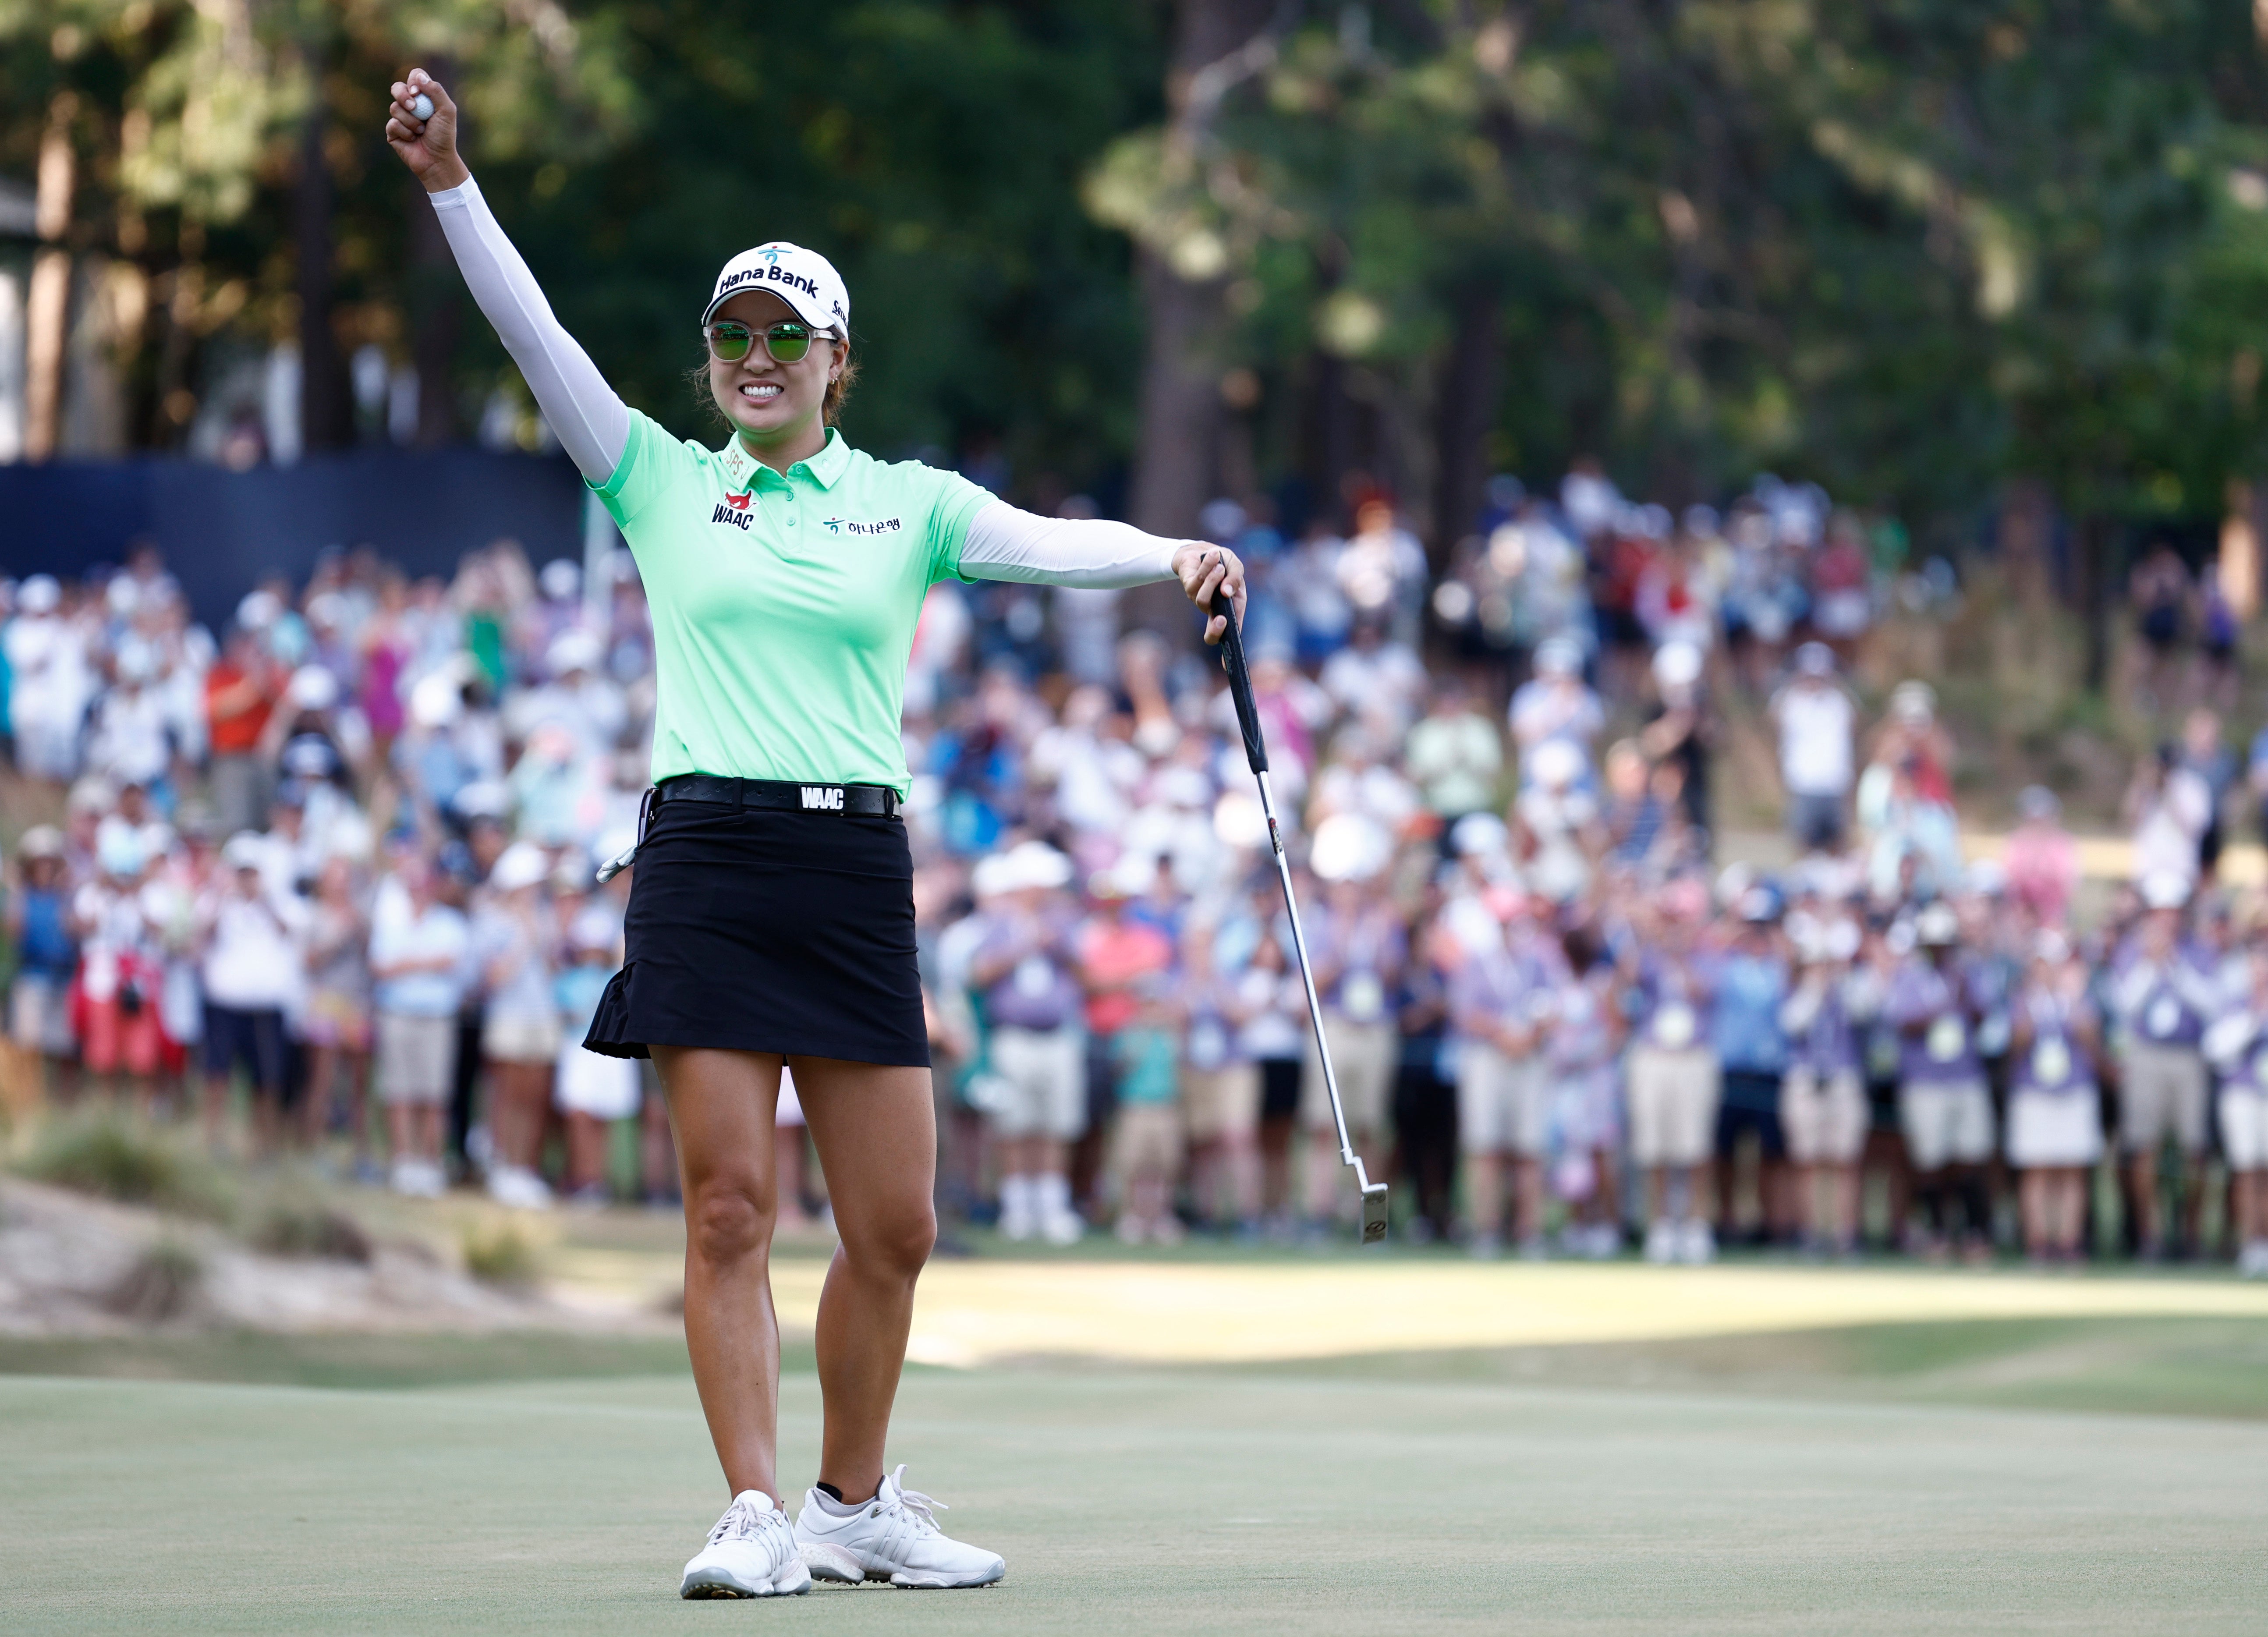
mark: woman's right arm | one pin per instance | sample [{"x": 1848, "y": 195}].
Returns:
[{"x": 592, "y": 422}]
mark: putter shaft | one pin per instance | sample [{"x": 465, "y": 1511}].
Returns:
[{"x": 1256, "y": 751}]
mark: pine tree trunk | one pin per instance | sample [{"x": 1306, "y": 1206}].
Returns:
[
  {"x": 1181, "y": 412},
  {"x": 47, "y": 307},
  {"x": 1466, "y": 409}
]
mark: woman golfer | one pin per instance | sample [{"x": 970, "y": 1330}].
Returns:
[{"x": 772, "y": 920}]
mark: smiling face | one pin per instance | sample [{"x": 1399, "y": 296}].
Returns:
[{"x": 773, "y": 405}]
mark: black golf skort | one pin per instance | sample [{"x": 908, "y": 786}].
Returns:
[{"x": 761, "y": 930}]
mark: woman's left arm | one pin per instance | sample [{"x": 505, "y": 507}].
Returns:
[{"x": 1005, "y": 542}]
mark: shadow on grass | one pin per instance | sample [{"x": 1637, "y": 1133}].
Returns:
[
  {"x": 353, "y": 1362},
  {"x": 2194, "y": 1366},
  {"x": 2204, "y": 1367}
]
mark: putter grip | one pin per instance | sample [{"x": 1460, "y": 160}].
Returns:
[{"x": 1240, "y": 684}]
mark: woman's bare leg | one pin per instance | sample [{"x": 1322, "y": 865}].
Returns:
[
  {"x": 875, "y": 1129},
  {"x": 720, "y": 1108}
]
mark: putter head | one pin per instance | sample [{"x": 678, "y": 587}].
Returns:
[
  {"x": 1374, "y": 1206},
  {"x": 1374, "y": 1214}
]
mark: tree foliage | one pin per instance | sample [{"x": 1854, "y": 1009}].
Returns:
[{"x": 1902, "y": 246}]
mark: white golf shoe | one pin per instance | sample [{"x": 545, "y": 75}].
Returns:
[
  {"x": 893, "y": 1537},
  {"x": 751, "y": 1554}
]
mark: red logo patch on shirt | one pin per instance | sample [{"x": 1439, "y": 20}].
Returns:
[{"x": 739, "y": 502}]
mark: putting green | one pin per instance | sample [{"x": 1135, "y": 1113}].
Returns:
[
  {"x": 983, "y": 1310},
  {"x": 1147, "y": 1501}
]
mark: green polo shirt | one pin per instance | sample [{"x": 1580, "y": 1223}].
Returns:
[{"x": 783, "y": 607}]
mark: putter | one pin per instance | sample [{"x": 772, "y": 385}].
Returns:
[{"x": 1255, "y": 752}]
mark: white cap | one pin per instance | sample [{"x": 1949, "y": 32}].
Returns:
[
  {"x": 246, "y": 850},
  {"x": 1676, "y": 664},
  {"x": 435, "y": 699},
  {"x": 1033, "y": 865},
  {"x": 561, "y": 580},
  {"x": 1936, "y": 926},
  {"x": 1350, "y": 847},
  {"x": 2165, "y": 890},
  {"x": 573, "y": 649},
  {"x": 805, "y": 279},
  {"x": 1556, "y": 763},
  {"x": 522, "y": 864},
  {"x": 40, "y": 595},
  {"x": 313, "y": 688},
  {"x": 42, "y": 841}
]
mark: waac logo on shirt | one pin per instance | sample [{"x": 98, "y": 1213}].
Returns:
[
  {"x": 844, "y": 526},
  {"x": 734, "y": 509}
]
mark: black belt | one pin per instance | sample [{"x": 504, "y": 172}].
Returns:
[{"x": 879, "y": 800}]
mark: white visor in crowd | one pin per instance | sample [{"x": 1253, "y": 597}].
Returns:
[{"x": 805, "y": 279}]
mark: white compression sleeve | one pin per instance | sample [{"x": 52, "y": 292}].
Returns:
[
  {"x": 591, "y": 422},
  {"x": 1005, "y": 543}
]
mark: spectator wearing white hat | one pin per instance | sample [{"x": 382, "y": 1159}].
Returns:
[
  {"x": 1680, "y": 729},
  {"x": 1356, "y": 945},
  {"x": 131, "y": 742},
  {"x": 1025, "y": 969},
  {"x": 417, "y": 949},
  {"x": 1561, "y": 833},
  {"x": 515, "y": 939},
  {"x": 1823, "y": 1098},
  {"x": 49, "y": 681},
  {"x": 1816, "y": 718},
  {"x": 2055, "y": 1120},
  {"x": 1499, "y": 1003},
  {"x": 121, "y": 964},
  {"x": 1945, "y": 1106},
  {"x": 2164, "y": 998},
  {"x": 594, "y": 1092},
  {"x": 249, "y": 935},
  {"x": 2168, "y": 807},
  {"x": 1555, "y": 704},
  {"x": 1673, "y": 1080}
]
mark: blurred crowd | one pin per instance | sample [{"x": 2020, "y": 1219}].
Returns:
[{"x": 330, "y": 878}]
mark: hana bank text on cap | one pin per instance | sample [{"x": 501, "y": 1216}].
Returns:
[{"x": 805, "y": 279}]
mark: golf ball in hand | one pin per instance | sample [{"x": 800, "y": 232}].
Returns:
[{"x": 421, "y": 106}]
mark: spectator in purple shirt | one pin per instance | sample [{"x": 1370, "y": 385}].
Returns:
[
  {"x": 1672, "y": 1076},
  {"x": 2055, "y": 1121},
  {"x": 2162, "y": 998},
  {"x": 1357, "y": 946},
  {"x": 1824, "y": 1100},
  {"x": 1496, "y": 1005},
  {"x": 1944, "y": 1104}
]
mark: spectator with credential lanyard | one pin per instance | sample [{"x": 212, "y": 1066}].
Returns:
[
  {"x": 771, "y": 918},
  {"x": 2055, "y": 1125},
  {"x": 1944, "y": 1104}
]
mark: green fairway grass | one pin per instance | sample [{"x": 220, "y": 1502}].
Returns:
[{"x": 1367, "y": 1495}]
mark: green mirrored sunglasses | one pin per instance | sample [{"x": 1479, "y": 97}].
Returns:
[{"x": 729, "y": 342}]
